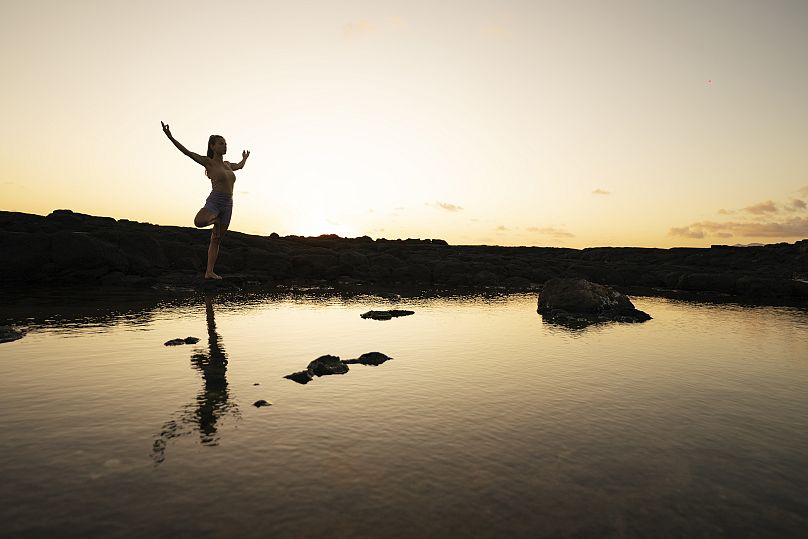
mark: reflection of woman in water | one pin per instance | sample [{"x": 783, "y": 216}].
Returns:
[
  {"x": 211, "y": 403},
  {"x": 219, "y": 205}
]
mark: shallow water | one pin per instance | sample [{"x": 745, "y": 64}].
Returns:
[{"x": 487, "y": 422}]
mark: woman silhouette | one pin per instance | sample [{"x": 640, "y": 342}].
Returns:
[{"x": 219, "y": 205}]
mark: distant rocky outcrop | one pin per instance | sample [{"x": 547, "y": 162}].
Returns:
[
  {"x": 66, "y": 249},
  {"x": 578, "y": 302}
]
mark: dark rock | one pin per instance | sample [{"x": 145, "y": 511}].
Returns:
[
  {"x": 179, "y": 341},
  {"x": 580, "y": 302},
  {"x": 8, "y": 334},
  {"x": 400, "y": 312},
  {"x": 326, "y": 365},
  {"x": 485, "y": 277},
  {"x": 386, "y": 315},
  {"x": 66, "y": 249},
  {"x": 369, "y": 358},
  {"x": 377, "y": 315},
  {"x": 301, "y": 377},
  {"x": 517, "y": 282},
  {"x": 260, "y": 403}
]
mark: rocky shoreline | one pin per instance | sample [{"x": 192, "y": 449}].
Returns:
[{"x": 67, "y": 249}]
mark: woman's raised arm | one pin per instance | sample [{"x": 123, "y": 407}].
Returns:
[{"x": 202, "y": 160}]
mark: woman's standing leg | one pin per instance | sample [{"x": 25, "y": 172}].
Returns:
[{"x": 216, "y": 236}]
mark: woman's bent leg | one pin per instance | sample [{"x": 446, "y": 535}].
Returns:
[{"x": 205, "y": 217}]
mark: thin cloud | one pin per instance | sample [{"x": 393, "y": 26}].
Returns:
[
  {"x": 796, "y": 205},
  {"x": 692, "y": 231},
  {"x": 722, "y": 211},
  {"x": 762, "y": 208},
  {"x": 804, "y": 191},
  {"x": 446, "y": 206},
  {"x": 358, "y": 29},
  {"x": 502, "y": 228},
  {"x": 552, "y": 232},
  {"x": 796, "y": 227},
  {"x": 600, "y": 192}
]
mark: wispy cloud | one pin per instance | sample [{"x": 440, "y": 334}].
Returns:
[
  {"x": 723, "y": 211},
  {"x": 551, "y": 231},
  {"x": 796, "y": 205},
  {"x": 796, "y": 227},
  {"x": 446, "y": 206},
  {"x": 762, "y": 208},
  {"x": 358, "y": 29},
  {"x": 600, "y": 192},
  {"x": 502, "y": 228},
  {"x": 804, "y": 191}
]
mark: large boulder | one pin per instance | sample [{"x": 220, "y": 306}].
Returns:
[{"x": 578, "y": 302}]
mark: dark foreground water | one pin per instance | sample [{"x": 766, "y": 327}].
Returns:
[{"x": 487, "y": 423}]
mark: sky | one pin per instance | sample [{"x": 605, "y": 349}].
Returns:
[{"x": 547, "y": 123}]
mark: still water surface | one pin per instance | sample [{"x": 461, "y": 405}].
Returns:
[{"x": 487, "y": 422}]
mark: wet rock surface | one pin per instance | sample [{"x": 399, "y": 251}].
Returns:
[
  {"x": 386, "y": 315},
  {"x": 328, "y": 365},
  {"x": 578, "y": 302},
  {"x": 8, "y": 334},
  {"x": 180, "y": 341},
  {"x": 261, "y": 402},
  {"x": 65, "y": 249},
  {"x": 369, "y": 358},
  {"x": 301, "y": 377}
]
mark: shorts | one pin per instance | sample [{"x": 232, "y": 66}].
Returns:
[{"x": 222, "y": 205}]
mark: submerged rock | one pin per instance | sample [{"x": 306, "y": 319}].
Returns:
[
  {"x": 260, "y": 403},
  {"x": 8, "y": 334},
  {"x": 179, "y": 341},
  {"x": 370, "y": 358},
  {"x": 326, "y": 365},
  {"x": 386, "y": 315},
  {"x": 578, "y": 302}
]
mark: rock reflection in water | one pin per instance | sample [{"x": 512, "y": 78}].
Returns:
[{"x": 213, "y": 401}]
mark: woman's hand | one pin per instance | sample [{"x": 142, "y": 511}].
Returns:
[
  {"x": 166, "y": 130},
  {"x": 244, "y": 155}
]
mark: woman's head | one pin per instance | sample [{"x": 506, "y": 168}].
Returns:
[{"x": 216, "y": 144}]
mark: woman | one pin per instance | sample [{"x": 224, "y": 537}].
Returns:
[{"x": 219, "y": 205}]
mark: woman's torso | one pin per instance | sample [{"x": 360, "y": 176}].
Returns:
[{"x": 221, "y": 177}]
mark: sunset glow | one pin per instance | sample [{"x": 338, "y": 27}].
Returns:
[{"x": 518, "y": 123}]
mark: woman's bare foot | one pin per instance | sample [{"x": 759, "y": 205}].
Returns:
[{"x": 212, "y": 275}]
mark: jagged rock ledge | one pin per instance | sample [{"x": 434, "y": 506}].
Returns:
[{"x": 66, "y": 249}]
